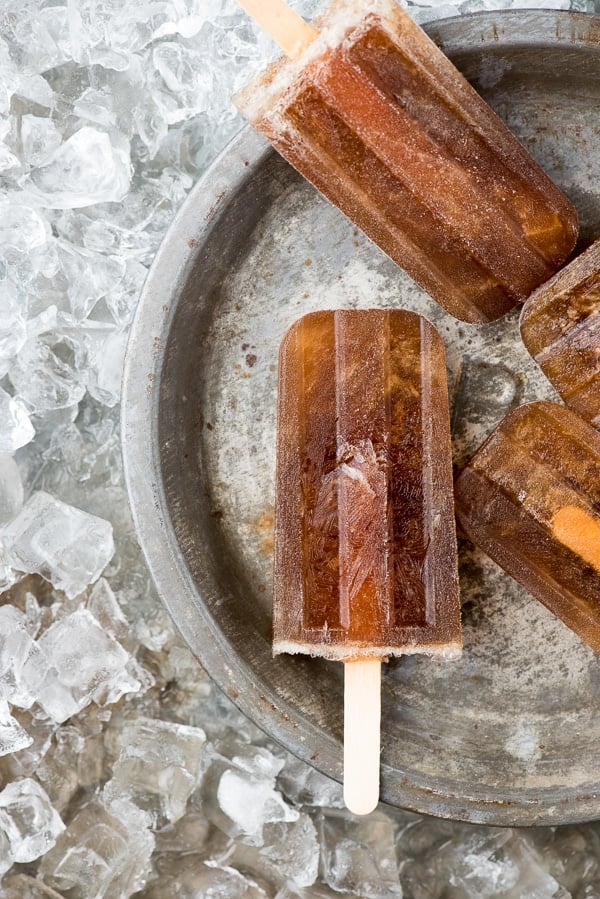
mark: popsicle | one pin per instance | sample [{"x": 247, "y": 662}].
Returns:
[
  {"x": 378, "y": 119},
  {"x": 530, "y": 497},
  {"x": 365, "y": 546},
  {"x": 560, "y": 326}
]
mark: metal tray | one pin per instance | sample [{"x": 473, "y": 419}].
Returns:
[{"x": 508, "y": 735}]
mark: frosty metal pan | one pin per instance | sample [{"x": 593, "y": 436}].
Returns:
[{"x": 509, "y": 734}]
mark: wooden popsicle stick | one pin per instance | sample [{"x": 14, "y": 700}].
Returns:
[
  {"x": 285, "y": 26},
  {"x": 362, "y": 723}
]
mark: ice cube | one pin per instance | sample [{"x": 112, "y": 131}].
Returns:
[
  {"x": 290, "y": 852},
  {"x": 13, "y": 331},
  {"x": 16, "y": 430},
  {"x": 89, "y": 277},
  {"x": 25, "y": 762},
  {"x": 23, "y": 667},
  {"x": 36, "y": 89},
  {"x": 499, "y": 863},
  {"x": 90, "y": 167},
  {"x": 87, "y": 664},
  {"x": 21, "y": 886},
  {"x": 11, "y": 489},
  {"x": 12, "y": 737},
  {"x": 9, "y": 163},
  {"x": 291, "y": 891},
  {"x": 107, "y": 356},
  {"x": 40, "y": 138},
  {"x": 97, "y": 105},
  {"x": 245, "y": 803},
  {"x": 103, "y": 605},
  {"x": 23, "y": 230},
  {"x": 6, "y": 859},
  {"x": 41, "y": 38},
  {"x": 358, "y": 854},
  {"x": 190, "y": 877},
  {"x": 67, "y": 546},
  {"x": 73, "y": 762},
  {"x": 158, "y": 768},
  {"x": 303, "y": 785},
  {"x": 181, "y": 71},
  {"x": 104, "y": 852},
  {"x": 51, "y": 369},
  {"x": 28, "y": 820}
]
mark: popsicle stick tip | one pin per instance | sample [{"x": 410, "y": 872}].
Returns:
[
  {"x": 361, "y": 803},
  {"x": 362, "y": 721},
  {"x": 282, "y": 24}
]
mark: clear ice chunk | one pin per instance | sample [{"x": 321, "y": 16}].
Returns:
[
  {"x": 291, "y": 891},
  {"x": 501, "y": 864},
  {"x": 13, "y": 330},
  {"x": 6, "y": 859},
  {"x": 158, "y": 768},
  {"x": 23, "y": 230},
  {"x": 90, "y": 167},
  {"x": 247, "y": 803},
  {"x": 358, "y": 855},
  {"x": 50, "y": 370},
  {"x": 16, "y": 430},
  {"x": 289, "y": 852},
  {"x": 35, "y": 89},
  {"x": 97, "y": 105},
  {"x": 67, "y": 546},
  {"x": 75, "y": 760},
  {"x": 23, "y": 667},
  {"x": 104, "y": 853},
  {"x": 41, "y": 38},
  {"x": 103, "y": 605},
  {"x": 28, "y": 820},
  {"x": 21, "y": 886},
  {"x": 40, "y": 139},
  {"x": 106, "y": 365},
  {"x": 190, "y": 877},
  {"x": 11, "y": 489},
  {"x": 304, "y": 785},
  {"x": 473, "y": 863},
  {"x": 86, "y": 664},
  {"x": 13, "y": 738}
]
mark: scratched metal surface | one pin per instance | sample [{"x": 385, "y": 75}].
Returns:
[{"x": 507, "y": 735}]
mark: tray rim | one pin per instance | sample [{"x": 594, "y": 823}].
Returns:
[{"x": 191, "y": 227}]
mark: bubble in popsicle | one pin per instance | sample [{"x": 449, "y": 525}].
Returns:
[
  {"x": 530, "y": 498},
  {"x": 560, "y": 326},
  {"x": 380, "y": 121}
]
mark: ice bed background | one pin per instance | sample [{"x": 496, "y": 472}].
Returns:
[{"x": 123, "y": 770}]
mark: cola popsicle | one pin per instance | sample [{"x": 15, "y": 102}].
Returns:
[
  {"x": 530, "y": 497},
  {"x": 365, "y": 546},
  {"x": 560, "y": 326},
  {"x": 380, "y": 121}
]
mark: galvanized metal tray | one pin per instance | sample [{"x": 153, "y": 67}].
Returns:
[{"x": 508, "y": 735}]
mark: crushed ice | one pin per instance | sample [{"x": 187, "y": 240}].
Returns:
[{"x": 122, "y": 769}]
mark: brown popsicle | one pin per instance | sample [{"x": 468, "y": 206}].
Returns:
[
  {"x": 365, "y": 547},
  {"x": 560, "y": 326},
  {"x": 377, "y": 118},
  {"x": 530, "y": 497}
]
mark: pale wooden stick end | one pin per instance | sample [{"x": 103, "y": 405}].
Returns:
[
  {"x": 362, "y": 723},
  {"x": 285, "y": 26}
]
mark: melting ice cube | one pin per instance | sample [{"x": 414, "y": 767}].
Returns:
[{"x": 68, "y": 547}]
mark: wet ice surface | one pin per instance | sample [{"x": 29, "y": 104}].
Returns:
[{"x": 123, "y": 771}]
